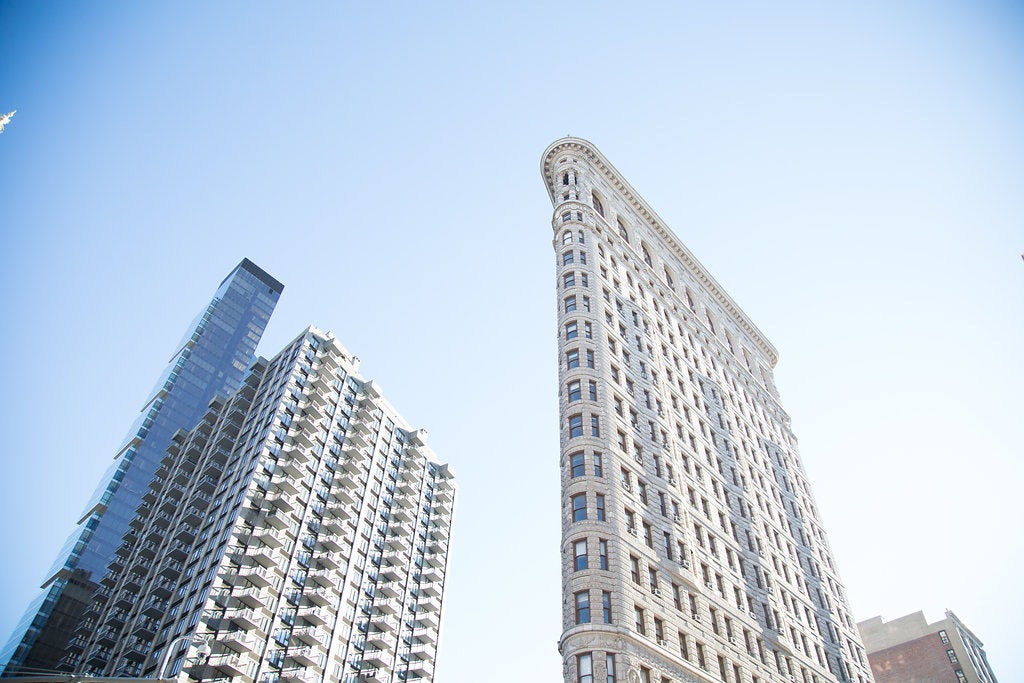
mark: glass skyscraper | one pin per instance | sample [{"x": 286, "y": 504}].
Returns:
[{"x": 211, "y": 359}]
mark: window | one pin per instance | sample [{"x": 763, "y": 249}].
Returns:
[
  {"x": 600, "y": 507},
  {"x": 610, "y": 664},
  {"x": 583, "y": 257},
  {"x": 638, "y": 619},
  {"x": 576, "y": 462},
  {"x": 606, "y": 606},
  {"x": 587, "y": 331},
  {"x": 598, "y": 206},
  {"x": 583, "y": 607},
  {"x": 645, "y": 675},
  {"x": 575, "y": 425},
  {"x": 586, "y": 304},
  {"x": 570, "y": 304},
  {"x": 567, "y": 258},
  {"x": 573, "y": 390},
  {"x": 960, "y": 678},
  {"x": 598, "y": 468},
  {"x": 580, "y": 553},
  {"x": 572, "y": 359},
  {"x": 585, "y": 668},
  {"x": 952, "y": 657},
  {"x": 595, "y": 425},
  {"x": 579, "y": 507},
  {"x": 647, "y": 255},
  {"x": 622, "y": 231},
  {"x": 566, "y": 237},
  {"x": 943, "y": 637},
  {"x": 571, "y": 330},
  {"x": 592, "y": 386},
  {"x": 652, "y": 576},
  {"x": 590, "y": 358},
  {"x": 569, "y": 280},
  {"x": 602, "y": 554},
  {"x": 634, "y": 569}
]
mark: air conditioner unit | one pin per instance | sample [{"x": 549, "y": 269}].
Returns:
[
  {"x": 656, "y": 591},
  {"x": 676, "y": 517},
  {"x": 672, "y": 480},
  {"x": 632, "y": 530},
  {"x": 685, "y": 564},
  {"x": 695, "y": 617},
  {"x": 638, "y": 459},
  {"x": 663, "y": 643},
  {"x": 753, "y": 614},
  {"x": 710, "y": 585},
  {"x": 734, "y": 640}
]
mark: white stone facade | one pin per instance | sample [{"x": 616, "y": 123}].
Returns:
[
  {"x": 691, "y": 544},
  {"x": 298, "y": 534}
]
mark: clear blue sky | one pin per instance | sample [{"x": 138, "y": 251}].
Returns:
[{"x": 851, "y": 172}]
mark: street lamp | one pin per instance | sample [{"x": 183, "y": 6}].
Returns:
[{"x": 203, "y": 640}]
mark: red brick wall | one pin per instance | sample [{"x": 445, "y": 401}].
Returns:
[{"x": 917, "y": 661}]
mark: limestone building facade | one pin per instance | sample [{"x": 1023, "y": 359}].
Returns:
[
  {"x": 298, "y": 534},
  {"x": 692, "y": 547}
]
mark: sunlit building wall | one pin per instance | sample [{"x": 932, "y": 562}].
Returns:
[
  {"x": 692, "y": 548},
  {"x": 298, "y": 534},
  {"x": 910, "y": 650}
]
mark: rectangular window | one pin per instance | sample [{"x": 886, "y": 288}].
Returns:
[
  {"x": 595, "y": 425},
  {"x": 634, "y": 569},
  {"x": 952, "y": 657},
  {"x": 587, "y": 330},
  {"x": 598, "y": 466},
  {"x": 567, "y": 258},
  {"x": 572, "y": 359},
  {"x": 571, "y": 330},
  {"x": 570, "y": 304},
  {"x": 574, "y": 391},
  {"x": 583, "y": 607},
  {"x": 576, "y": 464},
  {"x": 943, "y": 637},
  {"x": 600, "y": 507},
  {"x": 606, "y": 606},
  {"x": 580, "y": 552},
  {"x": 585, "y": 668},
  {"x": 569, "y": 280},
  {"x": 592, "y": 390},
  {"x": 602, "y": 554},
  {"x": 610, "y": 665},
  {"x": 575, "y": 425},
  {"x": 590, "y": 358},
  {"x": 579, "y": 507},
  {"x": 638, "y": 616}
]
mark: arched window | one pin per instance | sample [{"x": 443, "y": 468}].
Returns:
[
  {"x": 622, "y": 231},
  {"x": 597, "y": 205},
  {"x": 668, "y": 278},
  {"x": 647, "y": 255},
  {"x": 567, "y": 237},
  {"x": 565, "y": 178}
]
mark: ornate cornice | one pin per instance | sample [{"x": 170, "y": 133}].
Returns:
[{"x": 587, "y": 150}]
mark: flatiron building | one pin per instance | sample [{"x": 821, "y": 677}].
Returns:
[{"x": 692, "y": 547}]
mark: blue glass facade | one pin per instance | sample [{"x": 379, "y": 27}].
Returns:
[{"x": 211, "y": 359}]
